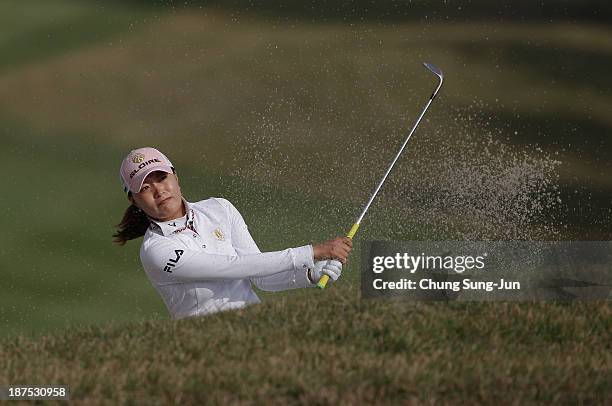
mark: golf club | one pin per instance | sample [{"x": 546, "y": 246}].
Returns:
[{"x": 435, "y": 70}]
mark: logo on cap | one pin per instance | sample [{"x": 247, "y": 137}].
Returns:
[{"x": 138, "y": 158}]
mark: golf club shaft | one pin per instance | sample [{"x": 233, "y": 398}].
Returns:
[{"x": 324, "y": 279}]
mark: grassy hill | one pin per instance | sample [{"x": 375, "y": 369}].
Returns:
[{"x": 333, "y": 348}]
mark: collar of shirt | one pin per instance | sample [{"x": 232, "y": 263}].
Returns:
[{"x": 167, "y": 228}]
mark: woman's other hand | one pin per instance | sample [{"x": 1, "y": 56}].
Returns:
[{"x": 338, "y": 248}]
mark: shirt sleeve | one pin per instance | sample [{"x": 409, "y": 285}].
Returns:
[
  {"x": 242, "y": 241},
  {"x": 171, "y": 262},
  {"x": 245, "y": 245}
]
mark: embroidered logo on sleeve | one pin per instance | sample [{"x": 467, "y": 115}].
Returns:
[
  {"x": 219, "y": 234},
  {"x": 172, "y": 261}
]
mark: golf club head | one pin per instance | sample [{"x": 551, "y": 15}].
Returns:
[{"x": 434, "y": 69}]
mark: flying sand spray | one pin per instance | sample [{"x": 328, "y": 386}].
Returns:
[{"x": 436, "y": 71}]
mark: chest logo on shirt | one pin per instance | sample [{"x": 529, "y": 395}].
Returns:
[
  {"x": 219, "y": 234},
  {"x": 172, "y": 261}
]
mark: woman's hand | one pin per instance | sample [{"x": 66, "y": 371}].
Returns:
[
  {"x": 338, "y": 248},
  {"x": 331, "y": 268}
]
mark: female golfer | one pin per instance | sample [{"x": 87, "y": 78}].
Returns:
[{"x": 200, "y": 256}]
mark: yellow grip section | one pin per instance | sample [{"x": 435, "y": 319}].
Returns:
[
  {"x": 324, "y": 279},
  {"x": 322, "y": 282},
  {"x": 353, "y": 231}
]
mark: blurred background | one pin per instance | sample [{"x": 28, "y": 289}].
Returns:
[{"x": 292, "y": 110}]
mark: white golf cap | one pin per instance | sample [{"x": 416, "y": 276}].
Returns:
[{"x": 138, "y": 164}]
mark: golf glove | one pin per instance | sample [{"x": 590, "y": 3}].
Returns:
[{"x": 331, "y": 268}]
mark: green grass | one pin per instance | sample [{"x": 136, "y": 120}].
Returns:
[
  {"x": 64, "y": 268},
  {"x": 332, "y": 347},
  {"x": 306, "y": 104},
  {"x": 37, "y": 30}
]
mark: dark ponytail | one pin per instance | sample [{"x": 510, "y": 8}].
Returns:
[{"x": 133, "y": 225}]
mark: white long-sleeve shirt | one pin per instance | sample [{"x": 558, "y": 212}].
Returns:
[{"x": 205, "y": 261}]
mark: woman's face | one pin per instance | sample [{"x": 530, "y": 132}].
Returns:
[{"x": 160, "y": 196}]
